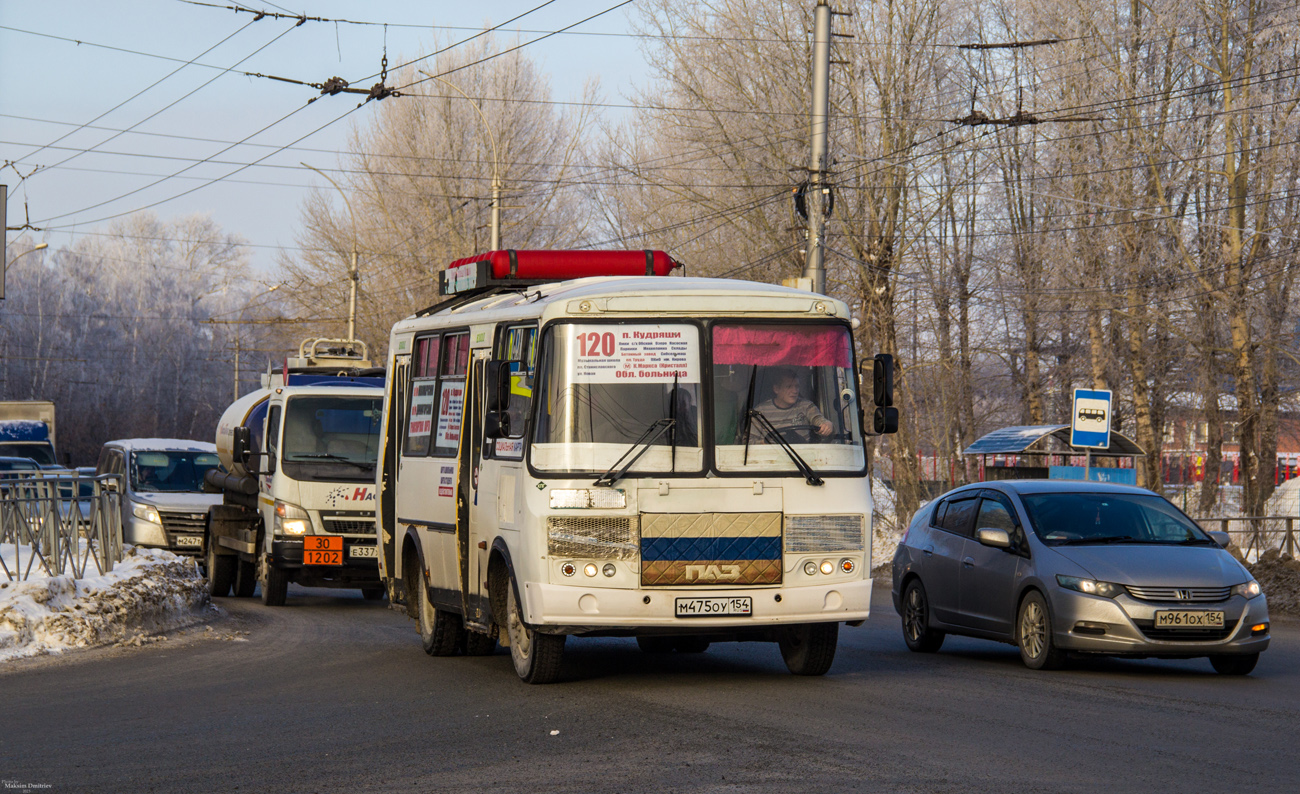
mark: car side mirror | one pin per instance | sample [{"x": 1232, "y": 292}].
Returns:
[
  {"x": 997, "y": 538},
  {"x": 1221, "y": 538}
]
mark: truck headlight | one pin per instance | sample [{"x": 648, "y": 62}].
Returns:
[
  {"x": 1103, "y": 589},
  {"x": 146, "y": 513},
  {"x": 1249, "y": 589},
  {"x": 290, "y": 519}
]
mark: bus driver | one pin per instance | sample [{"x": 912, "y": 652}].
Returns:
[{"x": 788, "y": 411}]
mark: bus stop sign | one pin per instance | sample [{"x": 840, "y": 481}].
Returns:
[{"x": 1090, "y": 424}]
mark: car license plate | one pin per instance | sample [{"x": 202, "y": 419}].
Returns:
[
  {"x": 370, "y": 552},
  {"x": 189, "y": 540},
  {"x": 1189, "y": 620},
  {"x": 706, "y": 607},
  {"x": 322, "y": 550}
]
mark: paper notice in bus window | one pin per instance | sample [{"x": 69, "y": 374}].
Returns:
[
  {"x": 422, "y": 402},
  {"x": 446, "y": 480},
  {"x": 450, "y": 404},
  {"x": 633, "y": 353}
]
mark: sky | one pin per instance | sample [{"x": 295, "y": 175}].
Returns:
[{"x": 179, "y": 113}]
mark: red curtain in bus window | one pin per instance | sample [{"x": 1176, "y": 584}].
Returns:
[{"x": 776, "y": 345}]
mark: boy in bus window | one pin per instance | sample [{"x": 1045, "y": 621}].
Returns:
[{"x": 787, "y": 411}]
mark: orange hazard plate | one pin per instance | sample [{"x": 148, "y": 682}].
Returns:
[{"x": 322, "y": 550}]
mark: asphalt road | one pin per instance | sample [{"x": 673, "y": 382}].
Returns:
[{"x": 332, "y": 693}]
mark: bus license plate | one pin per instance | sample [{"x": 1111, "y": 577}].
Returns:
[
  {"x": 1189, "y": 620},
  {"x": 322, "y": 550},
  {"x": 705, "y": 607},
  {"x": 189, "y": 540},
  {"x": 368, "y": 552}
]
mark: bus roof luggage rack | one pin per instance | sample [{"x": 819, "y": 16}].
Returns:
[{"x": 513, "y": 269}]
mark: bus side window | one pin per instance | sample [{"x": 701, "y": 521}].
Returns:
[
  {"x": 450, "y": 401},
  {"x": 424, "y": 397},
  {"x": 518, "y": 345}
]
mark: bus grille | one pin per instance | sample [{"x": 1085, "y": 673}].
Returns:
[
  {"x": 592, "y": 537},
  {"x": 710, "y": 549},
  {"x": 817, "y": 534}
]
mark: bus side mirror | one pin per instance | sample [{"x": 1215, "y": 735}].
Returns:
[
  {"x": 497, "y": 384},
  {"x": 496, "y": 424},
  {"x": 885, "y": 420},
  {"x": 882, "y": 380}
]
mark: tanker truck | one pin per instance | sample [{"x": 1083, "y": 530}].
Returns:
[{"x": 298, "y": 486}]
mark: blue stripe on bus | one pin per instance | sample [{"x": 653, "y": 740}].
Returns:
[{"x": 692, "y": 549}]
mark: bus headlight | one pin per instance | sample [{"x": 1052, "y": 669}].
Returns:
[
  {"x": 146, "y": 513},
  {"x": 290, "y": 519}
]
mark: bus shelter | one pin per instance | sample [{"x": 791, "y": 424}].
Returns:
[{"x": 1031, "y": 452}]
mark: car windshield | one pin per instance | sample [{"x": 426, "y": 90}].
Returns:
[
  {"x": 1096, "y": 518},
  {"x": 170, "y": 471},
  {"x": 331, "y": 437},
  {"x": 41, "y": 452}
]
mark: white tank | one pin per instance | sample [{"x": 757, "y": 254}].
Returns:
[{"x": 237, "y": 416}]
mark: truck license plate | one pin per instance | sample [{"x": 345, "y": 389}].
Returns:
[
  {"x": 322, "y": 550},
  {"x": 189, "y": 540},
  {"x": 1189, "y": 620},
  {"x": 368, "y": 552},
  {"x": 706, "y": 607}
]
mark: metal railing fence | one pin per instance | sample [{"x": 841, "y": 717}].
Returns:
[
  {"x": 1255, "y": 535},
  {"x": 52, "y": 523}
]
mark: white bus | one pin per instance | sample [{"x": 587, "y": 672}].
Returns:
[{"x": 676, "y": 459}]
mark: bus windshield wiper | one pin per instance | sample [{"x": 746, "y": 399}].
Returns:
[
  {"x": 810, "y": 476},
  {"x": 328, "y": 456},
  {"x": 652, "y": 433}
]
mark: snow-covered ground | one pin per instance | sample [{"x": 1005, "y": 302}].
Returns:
[{"x": 150, "y": 590}]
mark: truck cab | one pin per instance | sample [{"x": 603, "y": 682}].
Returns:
[{"x": 298, "y": 501}]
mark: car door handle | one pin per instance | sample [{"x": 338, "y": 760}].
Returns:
[
  {"x": 969, "y": 562},
  {"x": 928, "y": 551}
]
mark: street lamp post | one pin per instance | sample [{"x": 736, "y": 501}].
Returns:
[
  {"x": 352, "y": 273},
  {"x": 496, "y": 160},
  {"x": 4, "y": 275}
]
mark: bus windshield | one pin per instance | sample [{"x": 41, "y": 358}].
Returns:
[
  {"x": 785, "y": 384},
  {"x": 331, "y": 438},
  {"x": 608, "y": 387},
  {"x": 782, "y": 395}
]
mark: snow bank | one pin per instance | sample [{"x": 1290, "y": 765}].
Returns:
[
  {"x": 1279, "y": 576},
  {"x": 885, "y": 531},
  {"x": 1285, "y": 500},
  {"x": 150, "y": 590}
]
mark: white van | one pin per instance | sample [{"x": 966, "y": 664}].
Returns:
[{"x": 163, "y": 503}]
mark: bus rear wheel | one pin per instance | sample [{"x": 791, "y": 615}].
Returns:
[
  {"x": 441, "y": 632},
  {"x": 809, "y": 649},
  {"x": 537, "y": 657}
]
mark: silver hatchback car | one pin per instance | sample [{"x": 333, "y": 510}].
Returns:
[{"x": 1059, "y": 567}]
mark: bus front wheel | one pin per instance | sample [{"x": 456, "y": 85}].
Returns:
[
  {"x": 537, "y": 657},
  {"x": 809, "y": 648}
]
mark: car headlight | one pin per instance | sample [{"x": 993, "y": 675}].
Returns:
[
  {"x": 290, "y": 519},
  {"x": 146, "y": 513},
  {"x": 1249, "y": 589},
  {"x": 1089, "y": 586}
]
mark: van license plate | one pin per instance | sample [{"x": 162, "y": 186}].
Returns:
[
  {"x": 189, "y": 540},
  {"x": 370, "y": 552},
  {"x": 704, "y": 607},
  {"x": 1189, "y": 620},
  {"x": 322, "y": 550}
]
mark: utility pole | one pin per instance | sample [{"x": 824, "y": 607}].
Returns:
[
  {"x": 352, "y": 297},
  {"x": 236, "y": 370},
  {"x": 815, "y": 262}
]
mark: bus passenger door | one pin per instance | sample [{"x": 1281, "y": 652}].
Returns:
[{"x": 475, "y": 497}]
